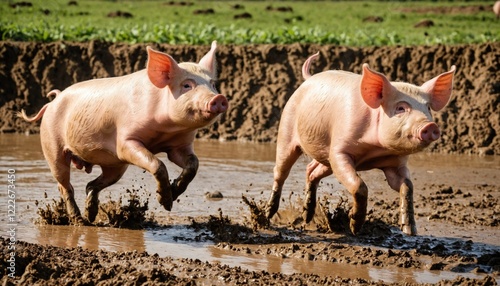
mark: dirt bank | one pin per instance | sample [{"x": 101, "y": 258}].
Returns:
[{"x": 258, "y": 80}]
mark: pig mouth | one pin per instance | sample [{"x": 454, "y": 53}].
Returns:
[{"x": 209, "y": 114}]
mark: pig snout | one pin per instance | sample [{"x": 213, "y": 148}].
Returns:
[
  {"x": 428, "y": 132},
  {"x": 218, "y": 104}
]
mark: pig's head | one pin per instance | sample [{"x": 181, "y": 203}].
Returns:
[
  {"x": 405, "y": 124},
  {"x": 193, "y": 99}
]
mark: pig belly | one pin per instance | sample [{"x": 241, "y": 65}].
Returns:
[
  {"x": 97, "y": 148},
  {"x": 316, "y": 148},
  {"x": 315, "y": 144},
  {"x": 96, "y": 156}
]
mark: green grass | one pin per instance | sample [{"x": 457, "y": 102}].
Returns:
[{"x": 323, "y": 22}]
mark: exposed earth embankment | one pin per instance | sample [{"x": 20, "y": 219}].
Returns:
[{"x": 258, "y": 80}]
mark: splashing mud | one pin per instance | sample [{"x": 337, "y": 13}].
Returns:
[
  {"x": 111, "y": 213},
  {"x": 131, "y": 215},
  {"x": 223, "y": 229},
  {"x": 53, "y": 214},
  {"x": 258, "y": 218},
  {"x": 379, "y": 244}
]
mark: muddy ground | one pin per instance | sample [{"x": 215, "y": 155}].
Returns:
[
  {"x": 451, "y": 206},
  {"x": 380, "y": 244}
]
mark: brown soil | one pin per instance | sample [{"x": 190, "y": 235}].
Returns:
[
  {"x": 378, "y": 245},
  {"x": 456, "y": 9},
  {"x": 327, "y": 239},
  {"x": 266, "y": 77},
  {"x": 41, "y": 265}
]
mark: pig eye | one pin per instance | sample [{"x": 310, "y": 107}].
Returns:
[
  {"x": 402, "y": 107},
  {"x": 187, "y": 85}
]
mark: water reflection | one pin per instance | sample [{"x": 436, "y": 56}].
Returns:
[{"x": 92, "y": 238}]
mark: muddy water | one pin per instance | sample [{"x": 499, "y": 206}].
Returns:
[{"x": 232, "y": 169}]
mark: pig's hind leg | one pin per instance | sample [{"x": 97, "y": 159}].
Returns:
[
  {"x": 285, "y": 158},
  {"x": 314, "y": 173},
  {"x": 60, "y": 167},
  {"x": 109, "y": 176},
  {"x": 344, "y": 170}
]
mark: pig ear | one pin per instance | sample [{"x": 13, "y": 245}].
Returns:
[
  {"x": 372, "y": 86},
  {"x": 440, "y": 89},
  {"x": 161, "y": 68},
  {"x": 208, "y": 61}
]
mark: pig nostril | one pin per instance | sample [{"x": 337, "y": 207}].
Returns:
[{"x": 429, "y": 132}]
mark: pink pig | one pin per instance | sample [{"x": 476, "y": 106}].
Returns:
[
  {"x": 347, "y": 123},
  {"x": 114, "y": 122}
]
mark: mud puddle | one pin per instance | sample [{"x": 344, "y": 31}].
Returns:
[
  {"x": 170, "y": 243},
  {"x": 456, "y": 201}
]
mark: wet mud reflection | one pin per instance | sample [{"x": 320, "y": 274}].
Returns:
[{"x": 235, "y": 169}]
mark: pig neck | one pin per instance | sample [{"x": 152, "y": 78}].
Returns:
[
  {"x": 369, "y": 152},
  {"x": 370, "y": 138}
]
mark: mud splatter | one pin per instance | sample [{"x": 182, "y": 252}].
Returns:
[
  {"x": 53, "y": 213},
  {"x": 222, "y": 229},
  {"x": 258, "y": 218},
  {"x": 131, "y": 215}
]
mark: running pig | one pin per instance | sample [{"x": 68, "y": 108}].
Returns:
[
  {"x": 114, "y": 122},
  {"x": 347, "y": 123}
]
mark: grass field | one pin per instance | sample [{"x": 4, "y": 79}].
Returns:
[{"x": 322, "y": 22}]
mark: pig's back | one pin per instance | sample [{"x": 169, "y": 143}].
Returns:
[
  {"x": 88, "y": 108},
  {"x": 325, "y": 104}
]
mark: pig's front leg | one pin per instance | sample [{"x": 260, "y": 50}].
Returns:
[
  {"x": 135, "y": 153},
  {"x": 399, "y": 180},
  {"x": 344, "y": 170},
  {"x": 189, "y": 165}
]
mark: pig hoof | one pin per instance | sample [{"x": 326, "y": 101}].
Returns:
[
  {"x": 176, "y": 191},
  {"x": 409, "y": 229},
  {"x": 356, "y": 222},
  {"x": 308, "y": 214},
  {"x": 91, "y": 207},
  {"x": 166, "y": 203},
  {"x": 79, "y": 221},
  {"x": 355, "y": 226},
  {"x": 91, "y": 214},
  {"x": 273, "y": 205},
  {"x": 270, "y": 211}
]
